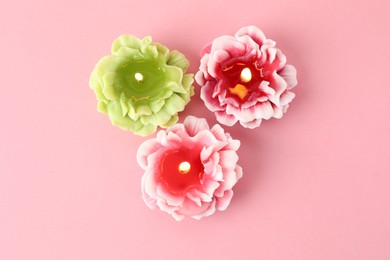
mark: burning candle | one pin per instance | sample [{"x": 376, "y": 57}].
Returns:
[
  {"x": 141, "y": 85},
  {"x": 190, "y": 169},
  {"x": 245, "y": 79}
]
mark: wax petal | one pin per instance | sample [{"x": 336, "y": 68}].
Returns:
[
  {"x": 171, "y": 199},
  {"x": 177, "y": 59},
  {"x": 211, "y": 103},
  {"x": 286, "y": 97},
  {"x": 166, "y": 207},
  {"x": 149, "y": 201},
  {"x": 223, "y": 202},
  {"x": 229, "y": 159},
  {"x": 208, "y": 212},
  {"x": 278, "y": 112},
  {"x": 173, "y": 120},
  {"x": 240, "y": 113},
  {"x": 125, "y": 41},
  {"x": 255, "y": 33},
  {"x": 177, "y": 216},
  {"x": 187, "y": 81},
  {"x": 145, "y": 149},
  {"x": 281, "y": 58},
  {"x": 213, "y": 66},
  {"x": 102, "y": 107},
  {"x": 225, "y": 119},
  {"x": 252, "y": 124},
  {"x": 230, "y": 44},
  {"x": 194, "y": 125},
  {"x": 196, "y": 199},
  {"x": 199, "y": 77},
  {"x": 289, "y": 74},
  {"x": 206, "y": 49},
  {"x": 264, "y": 109},
  {"x": 218, "y": 132}
]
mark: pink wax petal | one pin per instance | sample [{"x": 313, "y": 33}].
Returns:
[
  {"x": 225, "y": 119},
  {"x": 206, "y": 49},
  {"x": 289, "y": 74},
  {"x": 194, "y": 125},
  {"x": 255, "y": 33},
  {"x": 252, "y": 124},
  {"x": 223, "y": 202},
  {"x": 146, "y": 148}
]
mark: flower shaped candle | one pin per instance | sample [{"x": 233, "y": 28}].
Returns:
[
  {"x": 190, "y": 169},
  {"x": 245, "y": 78},
  {"x": 141, "y": 85}
]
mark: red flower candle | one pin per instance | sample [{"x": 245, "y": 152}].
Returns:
[
  {"x": 190, "y": 169},
  {"x": 245, "y": 78}
]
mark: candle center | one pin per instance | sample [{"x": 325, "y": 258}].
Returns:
[
  {"x": 184, "y": 167},
  {"x": 246, "y": 75},
  {"x": 141, "y": 80},
  {"x": 138, "y": 77},
  {"x": 181, "y": 169},
  {"x": 242, "y": 78}
]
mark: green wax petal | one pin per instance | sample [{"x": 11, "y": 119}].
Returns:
[
  {"x": 147, "y": 130},
  {"x": 157, "y": 105},
  {"x": 177, "y": 59},
  {"x": 123, "y": 102},
  {"x": 171, "y": 121},
  {"x": 98, "y": 90},
  {"x": 174, "y": 104},
  {"x": 188, "y": 80},
  {"x": 143, "y": 110},
  {"x": 174, "y": 74},
  {"x": 161, "y": 117},
  {"x": 132, "y": 113},
  {"x": 128, "y": 41},
  {"x": 106, "y": 64},
  {"x": 176, "y": 87},
  {"x": 152, "y": 50},
  {"x": 115, "y": 113},
  {"x": 178, "y": 102},
  {"x": 128, "y": 52},
  {"x": 102, "y": 107},
  {"x": 145, "y": 42},
  {"x": 163, "y": 51},
  {"x": 108, "y": 86}
]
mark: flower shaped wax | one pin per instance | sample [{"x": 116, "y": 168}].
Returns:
[
  {"x": 190, "y": 169},
  {"x": 245, "y": 78},
  {"x": 141, "y": 85}
]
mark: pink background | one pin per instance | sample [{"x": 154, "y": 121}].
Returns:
[{"x": 316, "y": 183}]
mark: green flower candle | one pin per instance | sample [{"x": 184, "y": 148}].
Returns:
[{"x": 142, "y": 84}]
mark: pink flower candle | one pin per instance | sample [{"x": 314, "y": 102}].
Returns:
[
  {"x": 245, "y": 78},
  {"x": 190, "y": 169}
]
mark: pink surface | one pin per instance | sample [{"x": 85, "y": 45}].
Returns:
[{"x": 315, "y": 185}]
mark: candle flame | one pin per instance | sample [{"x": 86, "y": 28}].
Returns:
[
  {"x": 184, "y": 167},
  {"x": 138, "y": 76},
  {"x": 246, "y": 75}
]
